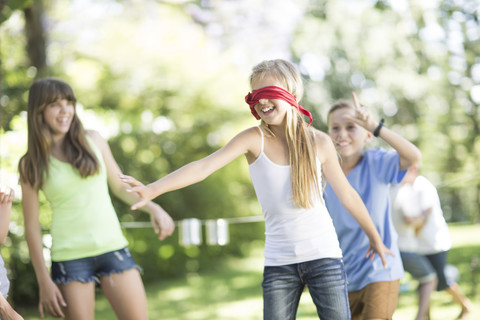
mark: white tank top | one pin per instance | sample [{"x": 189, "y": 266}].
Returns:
[{"x": 292, "y": 234}]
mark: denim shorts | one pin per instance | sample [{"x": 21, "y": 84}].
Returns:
[
  {"x": 418, "y": 266},
  {"x": 91, "y": 269},
  {"x": 439, "y": 262}
]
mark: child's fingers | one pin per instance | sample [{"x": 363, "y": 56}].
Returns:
[
  {"x": 136, "y": 189},
  {"x": 384, "y": 261},
  {"x": 40, "y": 310},
  {"x": 156, "y": 228},
  {"x": 355, "y": 100},
  {"x": 167, "y": 227},
  {"x": 139, "y": 204},
  {"x": 11, "y": 195},
  {"x": 389, "y": 252},
  {"x": 370, "y": 253},
  {"x": 130, "y": 180},
  {"x": 6, "y": 194}
]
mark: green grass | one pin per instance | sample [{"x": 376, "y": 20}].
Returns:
[{"x": 233, "y": 291}]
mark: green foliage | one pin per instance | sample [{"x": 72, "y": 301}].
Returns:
[
  {"x": 11, "y": 6},
  {"x": 415, "y": 66}
]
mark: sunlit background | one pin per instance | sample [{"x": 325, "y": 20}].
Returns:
[{"x": 165, "y": 81}]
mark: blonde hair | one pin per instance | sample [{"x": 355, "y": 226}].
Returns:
[
  {"x": 300, "y": 139},
  {"x": 33, "y": 166}
]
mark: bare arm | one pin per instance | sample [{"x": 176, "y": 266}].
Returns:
[
  {"x": 6, "y": 310},
  {"x": 195, "y": 171},
  {"x": 348, "y": 197},
  {"x": 409, "y": 153},
  {"x": 50, "y": 296},
  {"x": 161, "y": 220},
  {"x": 6, "y": 198}
]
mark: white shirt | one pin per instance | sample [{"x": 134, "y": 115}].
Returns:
[
  {"x": 411, "y": 201},
  {"x": 292, "y": 234},
  {"x": 434, "y": 236},
  {"x": 405, "y": 204}
]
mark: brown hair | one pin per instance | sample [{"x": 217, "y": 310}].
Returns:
[
  {"x": 340, "y": 104},
  {"x": 33, "y": 166},
  {"x": 300, "y": 139}
]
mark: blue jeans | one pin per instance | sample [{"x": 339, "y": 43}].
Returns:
[
  {"x": 326, "y": 281},
  {"x": 91, "y": 269}
]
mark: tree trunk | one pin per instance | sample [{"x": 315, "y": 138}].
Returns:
[
  {"x": 2, "y": 4},
  {"x": 35, "y": 33}
]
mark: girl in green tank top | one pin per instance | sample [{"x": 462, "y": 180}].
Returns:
[{"x": 75, "y": 168}]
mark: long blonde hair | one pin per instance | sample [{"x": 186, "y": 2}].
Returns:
[
  {"x": 33, "y": 166},
  {"x": 300, "y": 138}
]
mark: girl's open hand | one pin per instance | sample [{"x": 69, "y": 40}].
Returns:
[
  {"x": 51, "y": 300},
  {"x": 362, "y": 116},
  {"x": 379, "y": 248},
  {"x": 143, "y": 191},
  {"x": 6, "y": 196},
  {"x": 162, "y": 223}
]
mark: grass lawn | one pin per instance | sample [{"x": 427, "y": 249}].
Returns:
[{"x": 233, "y": 292}]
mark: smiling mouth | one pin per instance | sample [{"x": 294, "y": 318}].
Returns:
[
  {"x": 267, "y": 109},
  {"x": 342, "y": 144},
  {"x": 63, "y": 121}
]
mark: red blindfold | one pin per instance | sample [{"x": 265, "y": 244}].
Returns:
[{"x": 273, "y": 92}]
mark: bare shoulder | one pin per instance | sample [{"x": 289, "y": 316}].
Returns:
[
  {"x": 93, "y": 134},
  {"x": 323, "y": 145},
  {"x": 253, "y": 131},
  {"x": 248, "y": 136},
  {"x": 96, "y": 137},
  {"x": 322, "y": 140},
  {"x": 320, "y": 136},
  {"x": 249, "y": 140}
]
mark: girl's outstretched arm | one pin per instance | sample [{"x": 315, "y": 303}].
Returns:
[
  {"x": 196, "y": 171},
  {"x": 409, "y": 153},
  {"x": 348, "y": 197}
]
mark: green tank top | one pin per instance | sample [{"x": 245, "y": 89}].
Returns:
[{"x": 84, "y": 222}]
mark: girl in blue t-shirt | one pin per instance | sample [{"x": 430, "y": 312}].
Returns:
[{"x": 370, "y": 172}]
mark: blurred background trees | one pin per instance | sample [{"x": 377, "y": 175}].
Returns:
[{"x": 164, "y": 81}]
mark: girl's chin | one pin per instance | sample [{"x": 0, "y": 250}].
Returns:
[{"x": 343, "y": 153}]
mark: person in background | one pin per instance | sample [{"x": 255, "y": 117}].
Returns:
[
  {"x": 287, "y": 159},
  {"x": 433, "y": 236},
  {"x": 6, "y": 310},
  {"x": 370, "y": 172},
  {"x": 74, "y": 169},
  {"x": 408, "y": 221}
]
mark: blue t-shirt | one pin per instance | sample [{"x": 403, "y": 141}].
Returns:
[{"x": 371, "y": 178}]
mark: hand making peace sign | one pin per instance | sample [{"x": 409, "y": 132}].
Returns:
[{"x": 362, "y": 116}]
